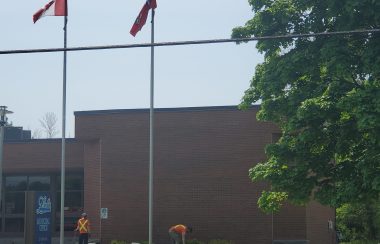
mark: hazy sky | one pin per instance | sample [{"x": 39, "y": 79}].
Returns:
[{"x": 185, "y": 76}]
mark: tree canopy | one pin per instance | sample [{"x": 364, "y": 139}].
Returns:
[
  {"x": 324, "y": 94},
  {"x": 359, "y": 221}
]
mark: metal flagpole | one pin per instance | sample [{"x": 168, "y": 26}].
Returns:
[
  {"x": 61, "y": 230},
  {"x": 151, "y": 132}
]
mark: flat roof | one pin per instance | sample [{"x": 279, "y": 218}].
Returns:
[
  {"x": 145, "y": 110},
  {"x": 42, "y": 140}
]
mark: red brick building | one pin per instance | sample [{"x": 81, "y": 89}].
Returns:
[{"x": 201, "y": 161}]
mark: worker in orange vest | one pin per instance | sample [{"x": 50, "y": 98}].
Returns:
[
  {"x": 178, "y": 233},
  {"x": 83, "y": 226}
]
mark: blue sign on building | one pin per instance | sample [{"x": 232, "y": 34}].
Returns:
[{"x": 43, "y": 218}]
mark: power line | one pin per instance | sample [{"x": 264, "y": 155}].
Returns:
[{"x": 181, "y": 43}]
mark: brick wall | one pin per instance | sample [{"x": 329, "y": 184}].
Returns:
[
  {"x": 290, "y": 223},
  {"x": 41, "y": 156},
  {"x": 92, "y": 183},
  {"x": 201, "y": 163},
  {"x": 317, "y": 223}
]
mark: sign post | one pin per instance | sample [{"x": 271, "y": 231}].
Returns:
[
  {"x": 43, "y": 218},
  {"x": 38, "y": 218}
]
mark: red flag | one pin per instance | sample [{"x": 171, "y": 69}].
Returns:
[
  {"x": 53, "y": 8},
  {"x": 143, "y": 15}
]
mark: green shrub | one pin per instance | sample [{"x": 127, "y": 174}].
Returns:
[
  {"x": 361, "y": 242},
  {"x": 194, "y": 241},
  {"x": 219, "y": 241},
  {"x": 118, "y": 242},
  {"x": 358, "y": 221}
]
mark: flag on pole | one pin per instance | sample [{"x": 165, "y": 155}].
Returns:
[
  {"x": 143, "y": 15},
  {"x": 53, "y": 8}
]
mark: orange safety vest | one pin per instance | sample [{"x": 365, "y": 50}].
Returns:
[
  {"x": 179, "y": 229},
  {"x": 83, "y": 226}
]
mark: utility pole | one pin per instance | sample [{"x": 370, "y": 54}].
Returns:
[{"x": 3, "y": 122}]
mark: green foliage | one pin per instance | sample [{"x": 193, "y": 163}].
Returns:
[
  {"x": 194, "y": 241},
  {"x": 324, "y": 94},
  {"x": 272, "y": 201},
  {"x": 213, "y": 241},
  {"x": 362, "y": 242},
  {"x": 118, "y": 242},
  {"x": 219, "y": 241},
  {"x": 359, "y": 221}
]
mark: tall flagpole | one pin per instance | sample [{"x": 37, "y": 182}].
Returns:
[
  {"x": 62, "y": 220},
  {"x": 151, "y": 132}
]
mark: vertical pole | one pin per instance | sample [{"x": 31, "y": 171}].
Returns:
[
  {"x": 63, "y": 149},
  {"x": 272, "y": 228},
  {"x": 335, "y": 241},
  {"x": 3, "y": 122},
  {"x": 151, "y": 132},
  {"x": 1, "y": 159}
]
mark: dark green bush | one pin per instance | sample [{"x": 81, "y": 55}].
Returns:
[
  {"x": 361, "y": 242},
  {"x": 219, "y": 241},
  {"x": 194, "y": 241},
  {"x": 118, "y": 242}
]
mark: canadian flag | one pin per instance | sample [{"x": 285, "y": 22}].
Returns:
[{"x": 53, "y": 8}]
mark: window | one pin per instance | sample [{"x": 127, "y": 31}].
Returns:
[
  {"x": 73, "y": 200},
  {"x": 14, "y": 202},
  {"x": 39, "y": 183},
  {"x": 14, "y": 199},
  {"x": 73, "y": 193},
  {"x": 15, "y": 183},
  {"x": 14, "y": 224},
  {"x": 69, "y": 225},
  {"x": 15, "y": 186}
]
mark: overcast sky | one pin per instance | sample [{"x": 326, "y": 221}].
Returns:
[{"x": 185, "y": 76}]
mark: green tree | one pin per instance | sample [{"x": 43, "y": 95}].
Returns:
[
  {"x": 359, "y": 221},
  {"x": 324, "y": 94}
]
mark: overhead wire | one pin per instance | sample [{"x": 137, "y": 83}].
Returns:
[{"x": 196, "y": 42}]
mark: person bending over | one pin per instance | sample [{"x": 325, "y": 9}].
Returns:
[{"x": 178, "y": 233}]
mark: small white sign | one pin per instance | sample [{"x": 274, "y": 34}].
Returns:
[{"x": 104, "y": 213}]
